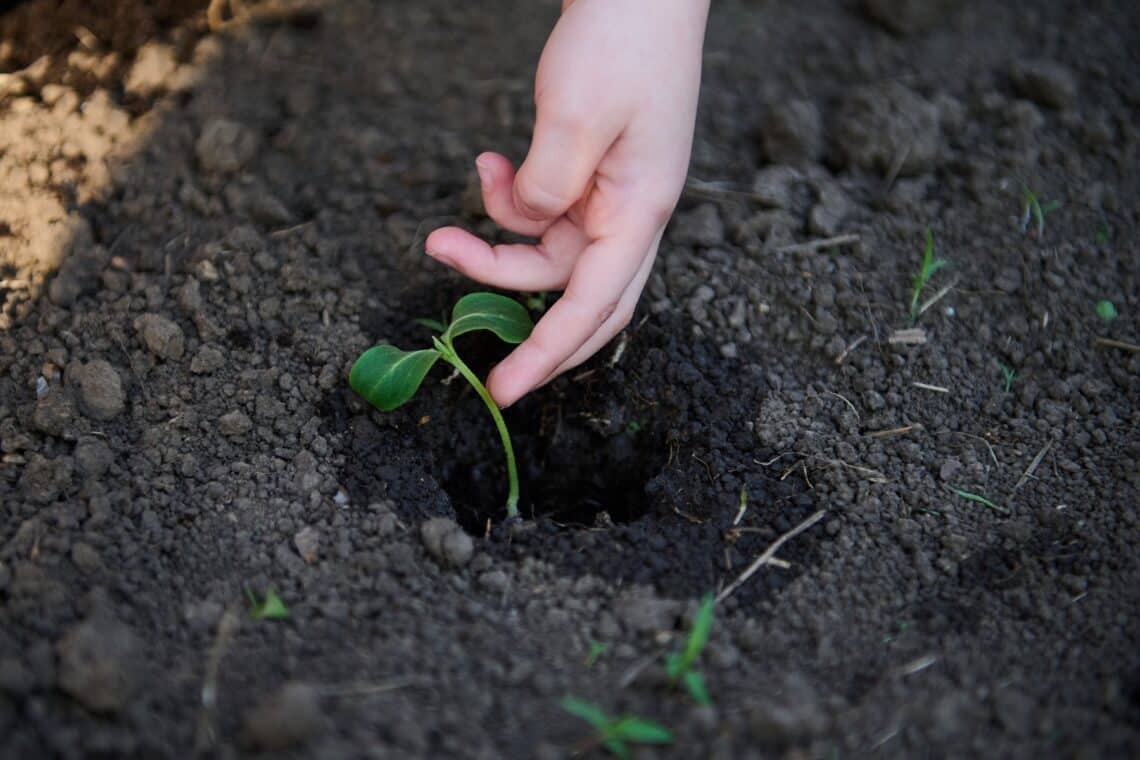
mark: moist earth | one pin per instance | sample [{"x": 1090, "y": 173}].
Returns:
[{"x": 206, "y": 214}]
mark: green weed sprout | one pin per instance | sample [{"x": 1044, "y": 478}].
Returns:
[
  {"x": 615, "y": 733},
  {"x": 1033, "y": 210},
  {"x": 269, "y": 608},
  {"x": 1008, "y": 374},
  {"x": 387, "y": 377},
  {"x": 1106, "y": 310},
  {"x": 930, "y": 265},
  {"x": 679, "y": 666},
  {"x": 597, "y": 649},
  {"x": 976, "y": 498}
]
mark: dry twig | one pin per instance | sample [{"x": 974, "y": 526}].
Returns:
[
  {"x": 912, "y": 336},
  {"x": 1031, "y": 468},
  {"x": 854, "y": 345},
  {"x": 895, "y": 431},
  {"x": 227, "y": 627},
  {"x": 815, "y": 245},
  {"x": 1110, "y": 343},
  {"x": 768, "y": 554}
]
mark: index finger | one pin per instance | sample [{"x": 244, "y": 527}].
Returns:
[{"x": 601, "y": 276}]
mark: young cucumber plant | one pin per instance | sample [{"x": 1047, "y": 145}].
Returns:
[
  {"x": 679, "y": 666},
  {"x": 387, "y": 377}
]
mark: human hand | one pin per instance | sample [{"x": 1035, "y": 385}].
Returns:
[{"x": 616, "y": 98}]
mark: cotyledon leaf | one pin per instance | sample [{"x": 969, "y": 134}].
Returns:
[
  {"x": 488, "y": 311},
  {"x": 387, "y": 377}
]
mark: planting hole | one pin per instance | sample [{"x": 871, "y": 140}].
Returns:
[{"x": 573, "y": 463}]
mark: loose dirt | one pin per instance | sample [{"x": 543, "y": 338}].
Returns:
[{"x": 202, "y": 226}]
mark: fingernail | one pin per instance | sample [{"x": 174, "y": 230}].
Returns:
[
  {"x": 484, "y": 172},
  {"x": 441, "y": 258}
]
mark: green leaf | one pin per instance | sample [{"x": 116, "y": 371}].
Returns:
[
  {"x": 616, "y": 748},
  {"x": 699, "y": 636},
  {"x": 387, "y": 377},
  {"x": 271, "y": 608},
  {"x": 587, "y": 711},
  {"x": 431, "y": 324},
  {"x": 975, "y": 498},
  {"x": 927, "y": 249},
  {"x": 695, "y": 684},
  {"x": 631, "y": 729},
  {"x": 674, "y": 666},
  {"x": 1106, "y": 310},
  {"x": 487, "y": 311}
]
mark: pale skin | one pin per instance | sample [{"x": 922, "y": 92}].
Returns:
[{"x": 616, "y": 98}]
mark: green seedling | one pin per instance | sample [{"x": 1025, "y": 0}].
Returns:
[
  {"x": 269, "y": 608},
  {"x": 597, "y": 649},
  {"x": 680, "y": 666},
  {"x": 1106, "y": 310},
  {"x": 1032, "y": 210},
  {"x": 615, "y": 734},
  {"x": 1103, "y": 234},
  {"x": 976, "y": 498},
  {"x": 904, "y": 626},
  {"x": 1008, "y": 374},
  {"x": 387, "y": 377},
  {"x": 930, "y": 265}
]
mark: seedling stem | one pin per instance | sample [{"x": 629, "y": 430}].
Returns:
[
  {"x": 388, "y": 377},
  {"x": 447, "y": 353}
]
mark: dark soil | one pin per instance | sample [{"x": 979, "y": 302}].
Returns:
[{"x": 201, "y": 230}]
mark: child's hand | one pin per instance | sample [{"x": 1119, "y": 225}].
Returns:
[{"x": 616, "y": 97}]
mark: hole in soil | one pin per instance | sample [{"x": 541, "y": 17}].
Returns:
[{"x": 581, "y": 450}]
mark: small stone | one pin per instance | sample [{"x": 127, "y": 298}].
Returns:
[
  {"x": 190, "y": 296},
  {"x": 55, "y": 414},
  {"x": 234, "y": 423},
  {"x": 98, "y": 664},
  {"x": 93, "y": 456},
  {"x": 642, "y": 611},
  {"x": 792, "y": 133},
  {"x": 257, "y": 201},
  {"x": 43, "y": 479},
  {"x": 86, "y": 558},
  {"x": 308, "y": 543},
  {"x": 888, "y": 127},
  {"x": 307, "y": 476},
  {"x": 458, "y": 548},
  {"x": 1045, "y": 82},
  {"x": 154, "y": 64},
  {"x": 225, "y": 146},
  {"x": 828, "y": 215},
  {"x": 701, "y": 226},
  {"x": 775, "y": 186},
  {"x": 101, "y": 395},
  {"x": 494, "y": 581},
  {"x": 950, "y": 469},
  {"x": 446, "y": 541},
  {"x": 286, "y": 719},
  {"x": 162, "y": 337},
  {"x": 208, "y": 359}
]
